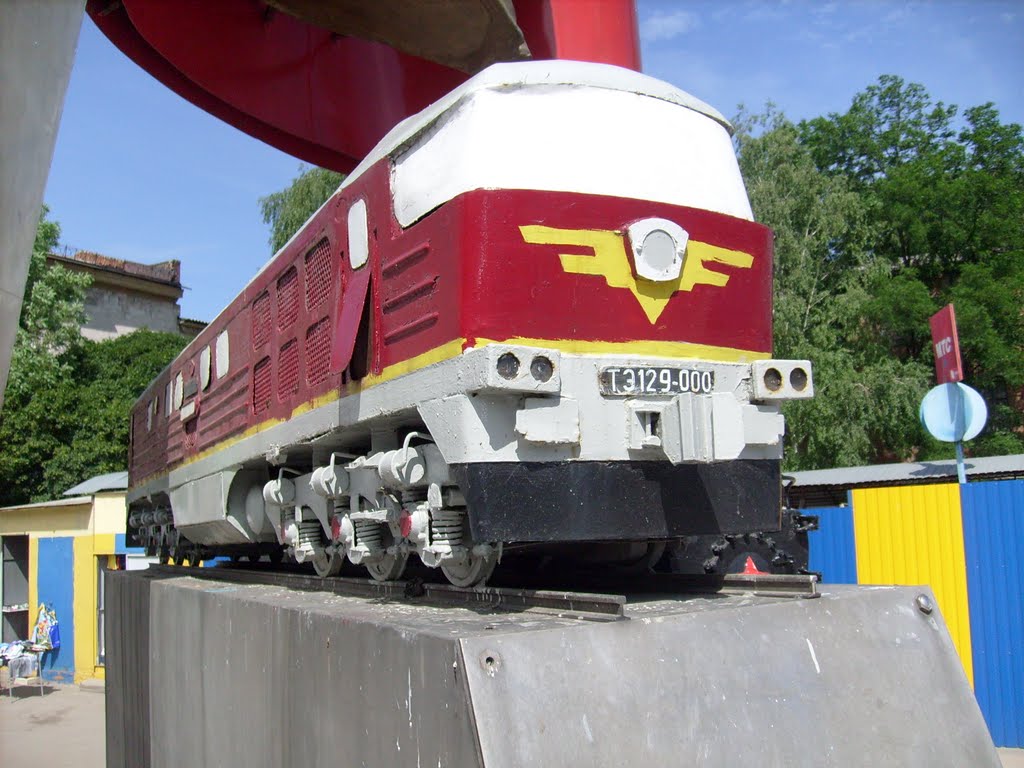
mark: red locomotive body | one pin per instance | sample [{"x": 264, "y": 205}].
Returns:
[{"x": 416, "y": 358}]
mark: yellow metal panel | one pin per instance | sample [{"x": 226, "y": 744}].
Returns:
[
  {"x": 914, "y": 535},
  {"x": 103, "y": 544},
  {"x": 86, "y": 625}
]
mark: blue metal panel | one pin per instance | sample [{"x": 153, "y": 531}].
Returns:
[
  {"x": 832, "y": 550},
  {"x": 120, "y": 547},
  {"x": 56, "y": 589},
  {"x": 993, "y": 534}
]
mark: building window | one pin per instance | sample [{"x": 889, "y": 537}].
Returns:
[
  {"x": 101, "y": 572},
  {"x": 14, "y": 599},
  {"x": 104, "y": 563}
]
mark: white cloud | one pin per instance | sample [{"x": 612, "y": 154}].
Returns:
[{"x": 665, "y": 26}]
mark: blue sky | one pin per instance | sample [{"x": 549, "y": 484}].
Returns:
[{"x": 140, "y": 174}]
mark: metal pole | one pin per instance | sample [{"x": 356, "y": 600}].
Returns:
[{"x": 960, "y": 471}]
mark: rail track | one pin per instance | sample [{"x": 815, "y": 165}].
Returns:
[{"x": 596, "y": 605}]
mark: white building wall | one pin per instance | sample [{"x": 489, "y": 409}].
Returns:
[{"x": 114, "y": 312}]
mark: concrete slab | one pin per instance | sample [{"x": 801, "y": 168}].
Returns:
[
  {"x": 70, "y": 723},
  {"x": 226, "y": 674}
]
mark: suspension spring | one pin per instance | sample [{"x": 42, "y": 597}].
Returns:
[
  {"x": 309, "y": 533},
  {"x": 287, "y": 517},
  {"x": 369, "y": 534},
  {"x": 446, "y": 527}
]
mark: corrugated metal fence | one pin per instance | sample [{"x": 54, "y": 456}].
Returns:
[
  {"x": 965, "y": 544},
  {"x": 993, "y": 520}
]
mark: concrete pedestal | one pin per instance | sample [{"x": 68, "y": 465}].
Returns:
[{"x": 211, "y": 673}]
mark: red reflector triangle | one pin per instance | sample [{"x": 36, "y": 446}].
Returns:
[{"x": 749, "y": 569}]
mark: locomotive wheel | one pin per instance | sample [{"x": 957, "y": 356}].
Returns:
[
  {"x": 389, "y": 568},
  {"x": 469, "y": 573},
  {"x": 327, "y": 564},
  {"x": 275, "y": 556},
  {"x": 646, "y": 562}
]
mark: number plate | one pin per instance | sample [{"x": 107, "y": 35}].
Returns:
[{"x": 643, "y": 381}]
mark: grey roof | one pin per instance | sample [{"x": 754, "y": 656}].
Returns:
[
  {"x": 71, "y": 502},
  {"x": 909, "y": 473},
  {"x": 112, "y": 481}
]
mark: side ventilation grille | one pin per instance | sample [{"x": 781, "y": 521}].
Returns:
[
  {"x": 261, "y": 385},
  {"x": 318, "y": 274},
  {"x": 261, "y": 320},
  {"x": 287, "y": 298},
  {"x": 288, "y": 370},
  {"x": 318, "y": 351}
]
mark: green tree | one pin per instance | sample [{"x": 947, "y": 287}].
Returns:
[
  {"x": 947, "y": 194},
  {"x": 66, "y": 406},
  {"x": 825, "y": 275},
  {"x": 36, "y": 418},
  {"x": 286, "y": 211},
  {"x": 111, "y": 376}
]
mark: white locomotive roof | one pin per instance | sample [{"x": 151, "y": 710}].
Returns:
[
  {"x": 530, "y": 77},
  {"x": 536, "y": 74}
]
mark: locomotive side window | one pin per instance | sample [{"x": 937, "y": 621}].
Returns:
[
  {"x": 179, "y": 390},
  {"x": 358, "y": 235},
  {"x": 204, "y": 368},
  {"x": 222, "y": 360},
  {"x": 169, "y": 398}
]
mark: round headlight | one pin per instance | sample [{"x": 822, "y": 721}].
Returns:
[
  {"x": 798, "y": 379},
  {"x": 508, "y": 366},
  {"x": 658, "y": 246},
  {"x": 773, "y": 379},
  {"x": 541, "y": 368}
]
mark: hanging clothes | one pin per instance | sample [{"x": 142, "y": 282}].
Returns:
[{"x": 46, "y": 633}]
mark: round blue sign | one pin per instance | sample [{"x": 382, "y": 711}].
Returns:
[{"x": 953, "y": 412}]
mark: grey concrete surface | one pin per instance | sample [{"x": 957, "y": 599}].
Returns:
[
  {"x": 63, "y": 728},
  {"x": 862, "y": 675},
  {"x": 66, "y": 726}
]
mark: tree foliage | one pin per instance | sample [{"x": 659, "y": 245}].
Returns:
[
  {"x": 66, "y": 406},
  {"x": 825, "y": 270},
  {"x": 110, "y": 377},
  {"x": 286, "y": 211},
  {"x": 882, "y": 215},
  {"x": 35, "y": 420}
]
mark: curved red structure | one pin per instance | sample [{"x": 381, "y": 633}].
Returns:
[{"x": 318, "y": 95}]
